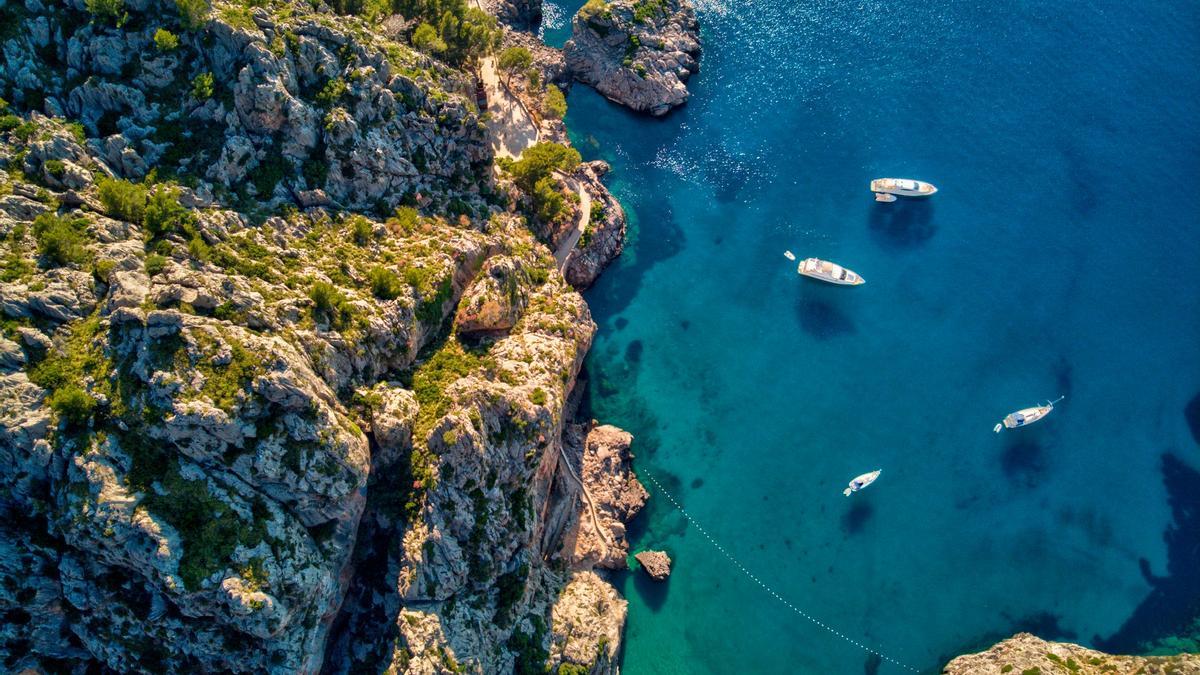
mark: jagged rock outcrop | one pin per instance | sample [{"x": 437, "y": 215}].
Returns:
[
  {"x": 656, "y": 563},
  {"x": 1025, "y": 653},
  {"x": 613, "y": 497},
  {"x": 604, "y": 238},
  {"x": 639, "y": 53}
]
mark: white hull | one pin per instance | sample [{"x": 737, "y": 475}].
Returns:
[
  {"x": 1025, "y": 416},
  {"x": 862, "y": 481},
  {"x": 905, "y": 187},
  {"x": 829, "y": 272}
]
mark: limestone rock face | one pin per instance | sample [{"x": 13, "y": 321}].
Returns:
[
  {"x": 637, "y": 54},
  {"x": 1024, "y": 652},
  {"x": 604, "y": 238},
  {"x": 656, "y": 563},
  {"x": 587, "y": 621},
  {"x": 494, "y": 301},
  {"x": 614, "y": 496}
]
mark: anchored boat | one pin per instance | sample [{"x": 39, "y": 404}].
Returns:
[
  {"x": 1026, "y": 416},
  {"x": 827, "y": 271},
  {"x": 862, "y": 482},
  {"x": 886, "y": 189}
]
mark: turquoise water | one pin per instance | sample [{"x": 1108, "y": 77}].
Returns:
[{"x": 1060, "y": 258}]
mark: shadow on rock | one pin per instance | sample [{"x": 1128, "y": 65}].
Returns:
[
  {"x": 903, "y": 224},
  {"x": 823, "y": 320},
  {"x": 1173, "y": 605}
]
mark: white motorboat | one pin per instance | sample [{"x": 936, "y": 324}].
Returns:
[
  {"x": 904, "y": 187},
  {"x": 1026, "y": 416},
  {"x": 827, "y": 271},
  {"x": 789, "y": 255},
  {"x": 862, "y": 482}
]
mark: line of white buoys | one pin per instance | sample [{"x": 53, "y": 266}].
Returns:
[{"x": 763, "y": 584}]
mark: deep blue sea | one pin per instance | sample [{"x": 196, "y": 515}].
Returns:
[{"x": 1061, "y": 257}]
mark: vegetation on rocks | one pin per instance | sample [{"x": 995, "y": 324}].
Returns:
[{"x": 229, "y": 367}]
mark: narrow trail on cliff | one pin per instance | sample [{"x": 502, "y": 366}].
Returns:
[
  {"x": 762, "y": 584},
  {"x": 587, "y": 496}
]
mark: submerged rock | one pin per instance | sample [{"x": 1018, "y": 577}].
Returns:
[
  {"x": 656, "y": 563},
  {"x": 638, "y": 54}
]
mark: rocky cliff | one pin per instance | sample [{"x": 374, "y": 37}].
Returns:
[
  {"x": 1025, "y": 654},
  {"x": 285, "y": 378},
  {"x": 639, "y": 53}
]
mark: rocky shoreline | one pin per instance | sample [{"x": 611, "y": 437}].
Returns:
[{"x": 257, "y": 418}]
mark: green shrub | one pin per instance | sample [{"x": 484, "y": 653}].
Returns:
[
  {"x": 385, "y": 284},
  {"x": 595, "y": 9},
  {"x": 203, "y": 86},
  {"x": 329, "y": 303},
  {"x": 73, "y": 404},
  {"x": 514, "y": 60},
  {"x": 542, "y": 159},
  {"x": 554, "y": 104},
  {"x": 123, "y": 200},
  {"x": 565, "y": 668},
  {"x": 538, "y": 396},
  {"x": 548, "y": 202},
  {"x": 405, "y": 220},
  {"x": 361, "y": 230},
  {"x": 55, "y": 167},
  {"x": 113, "y": 9},
  {"x": 425, "y": 39},
  {"x": 103, "y": 270},
  {"x": 193, "y": 14},
  {"x": 61, "y": 240},
  {"x": 164, "y": 213},
  {"x": 155, "y": 263},
  {"x": 332, "y": 92},
  {"x": 165, "y": 40},
  {"x": 9, "y": 122}
]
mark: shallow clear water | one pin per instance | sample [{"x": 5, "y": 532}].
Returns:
[{"x": 1060, "y": 257}]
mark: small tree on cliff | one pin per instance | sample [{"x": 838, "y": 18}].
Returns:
[
  {"x": 541, "y": 160},
  {"x": 514, "y": 60},
  {"x": 533, "y": 173}
]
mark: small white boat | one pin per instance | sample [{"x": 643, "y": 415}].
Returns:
[
  {"x": 789, "y": 255},
  {"x": 827, "y": 271},
  {"x": 862, "y": 482},
  {"x": 1026, "y": 416},
  {"x": 885, "y": 197},
  {"x": 904, "y": 187}
]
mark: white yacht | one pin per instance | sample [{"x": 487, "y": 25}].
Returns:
[
  {"x": 1026, "y": 416},
  {"x": 862, "y": 482},
  {"x": 904, "y": 187},
  {"x": 827, "y": 271}
]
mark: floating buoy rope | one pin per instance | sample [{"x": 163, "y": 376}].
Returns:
[{"x": 764, "y": 586}]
